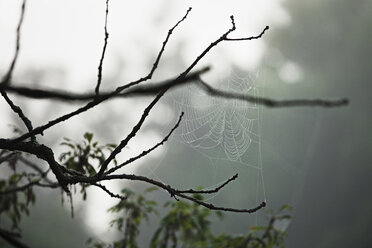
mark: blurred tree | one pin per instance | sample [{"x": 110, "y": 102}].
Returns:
[{"x": 331, "y": 42}]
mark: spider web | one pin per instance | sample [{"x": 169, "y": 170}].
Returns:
[
  {"x": 221, "y": 128},
  {"x": 226, "y": 132}
]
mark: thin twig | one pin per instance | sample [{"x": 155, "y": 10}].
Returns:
[
  {"x": 215, "y": 190},
  {"x": 100, "y": 66},
  {"x": 249, "y": 38},
  {"x": 144, "y": 153},
  {"x": 16, "y": 109},
  {"x": 133, "y": 133},
  {"x": 7, "y": 78},
  {"x": 173, "y": 192},
  {"x": 170, "y": 31},
  {"x": 206, "y": 50},
  {"x": 109, "y": 192}
]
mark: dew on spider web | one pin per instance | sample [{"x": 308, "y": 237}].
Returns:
[
  {"x": 219, "y": 128},
  {"x": 225, "y": 132}
]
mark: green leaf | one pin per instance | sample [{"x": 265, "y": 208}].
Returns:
[{"x": 88, "y": 136}]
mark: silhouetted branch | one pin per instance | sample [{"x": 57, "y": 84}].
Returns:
[
  {"x": 206, "y": 50},
  {"x": 7, "y": 78},
  {"x": 95, "y": 102},
  {"x": 133, "y": 133},
  {"x": 20, "y": 113},
  {"x": 41, "y": 151},
  {"x": 172, "y": 191},
  {"x": 100, "y": 66},
  {"x": 249, "y": 38},
  {"x": 268, "y": 102},
  {"x": 69, "y": 97},
  {"x": 109, "y": 192},
  {"x": 170, "y": 31},
  {"x": 144, "y": 153},
  {"x": 215, "y": 190}
]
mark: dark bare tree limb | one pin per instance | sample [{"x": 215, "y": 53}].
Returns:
[
  {"x": 8, "y": 76},
  {"x": 109, "y": 192},
  {"x": 272, "y": 103},
  {"x": 175, "y": 193},
  {"x": 144, "y": 153},
  {"x": 100, "y": 66},
  {"x": 215, "y": 190},
  {"x": 71, "y": 97},
  {"x": 133, "y": 133},
  {"x": 249, "y": 38},
  {"x": 95, "y": 102},
  {"x": 16, "y": 109}
]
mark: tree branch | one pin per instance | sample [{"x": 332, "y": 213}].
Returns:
[
  {"x": 133, "y": 133},
  {"x": 268, "y": 102},
  {"x": 7, "y": 78},
  {"x": 69, "y": 97},
  {"x": 16, "y": 109},
  {"x": 100, "y": 66},
  {"x": 215, "y": 190},
  {"x": 109, "y": 192},
  {"x": 172, "y": 191},
  {"x": 249, "y": 38},
  {"x": 41, "y": 151},
  {"x": 144, "y": 153},
  {"x": 100, "y": 99}
]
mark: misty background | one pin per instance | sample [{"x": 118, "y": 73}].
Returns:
[{"x": 314, "y": 159}]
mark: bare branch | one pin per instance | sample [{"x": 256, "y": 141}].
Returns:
[
  {"x": 144, "y": 90},
  {"x": 100, "y": 66},
  {"x": 41, "y": 151},
  {"x": 16, "y": 109},
  {"x": 271, "y": 102},
  {"x": 109, "y": 192},
  {"x": 173, "y": 192},
  {"x": 144, "y": 153},
  {"x": 98, "y": 100},
  {"x": 7, "y": 78},
  {"x": 133, "y": 133},
  {"x": 249, "y": 38},
  {"x": 155, "y": 65},
  {"x": 215, "y": 190},
  {"x": 213, "y": 44}
]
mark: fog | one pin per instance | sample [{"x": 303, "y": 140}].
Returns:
[{"x": 315, "y": 159}]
